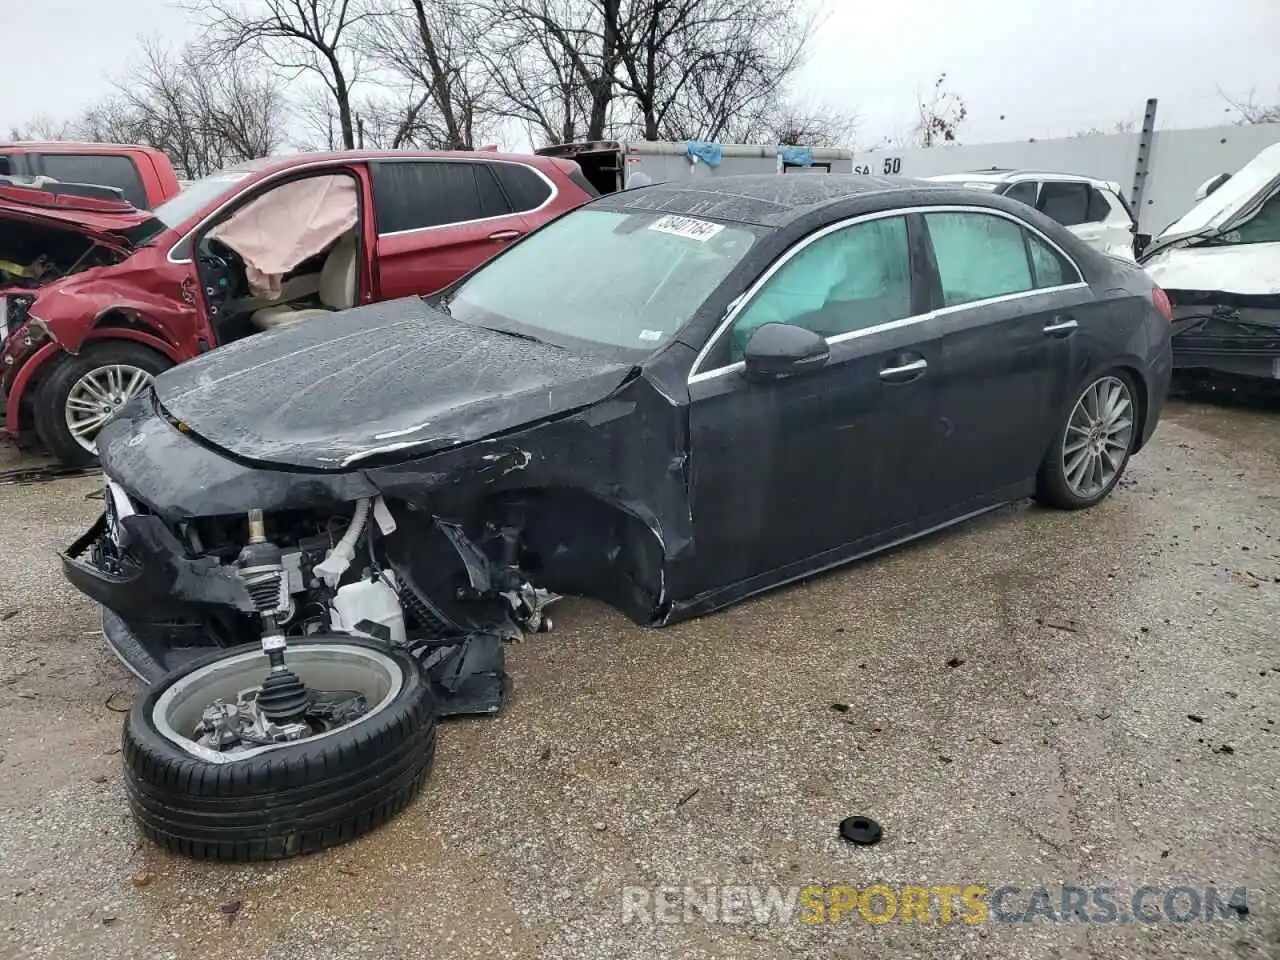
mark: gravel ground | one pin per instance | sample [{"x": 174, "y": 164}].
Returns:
[{"x": 1012, "y": 700}]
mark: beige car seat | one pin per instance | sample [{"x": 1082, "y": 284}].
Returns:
[{"x": 337, "y": 289}]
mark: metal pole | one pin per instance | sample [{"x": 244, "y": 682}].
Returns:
[{"x": 1142, "y": 165}]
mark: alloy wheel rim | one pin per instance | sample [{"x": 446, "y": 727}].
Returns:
[
  {"x": 1098, "y": 436},
  {"x": 328, "y": 666},
  {"x": 97, "y": 395}
]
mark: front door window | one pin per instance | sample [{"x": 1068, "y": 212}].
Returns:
[{"x": 851, "y": 279}]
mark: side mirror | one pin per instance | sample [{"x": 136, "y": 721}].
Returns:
[
  {"x": 1210, "y": 185},
  {"x": 782, "y": 350}
]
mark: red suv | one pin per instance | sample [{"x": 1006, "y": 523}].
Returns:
[{"x": 120, "y": 295}]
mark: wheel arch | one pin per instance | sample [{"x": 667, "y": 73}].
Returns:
[
  {"x": 1142, "y": 399},
  {"x": 579, "y": 541},
  {"x": 120, "y": 323}
]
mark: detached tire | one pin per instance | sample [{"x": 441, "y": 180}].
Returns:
[
  {"x": 290, "y": 799},
  {"x": 118, "y": 368}
]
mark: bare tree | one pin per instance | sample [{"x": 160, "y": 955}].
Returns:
[
  {"x": 805, "y": 125},
  {"x": 1249, "y": 111},
  {"x": 43, "y": 128},
  {"x": 109, "y": 121},
  {"x": 1128, "y": 125},
  {"x": 444, "y": 86},
  {"x": 537, "y": 83},
  {"x": 204, "y": 113},
  {"x": 940, "y": 115},
  {"x": 691, "y": 68},
  {"x": 315, "y": 37},
  {"x": 658, "y": 69},
  {"x": 555, "y": 63}
]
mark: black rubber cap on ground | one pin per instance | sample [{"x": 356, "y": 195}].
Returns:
[
  {"x": 860, "y": 830},
  {"x": 290, "y": 800}
]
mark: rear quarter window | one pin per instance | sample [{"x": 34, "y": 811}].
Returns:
[
  {"x": 1024, "y": 192},
  {"x": 522, "y": 185},
  {"x": 1099, "y": 206},
  {"x": 104, "y": 169}
]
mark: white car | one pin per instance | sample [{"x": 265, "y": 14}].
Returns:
[
  {"x": 1220, "y": 265},
  {"x": 1094, "y": 210}
]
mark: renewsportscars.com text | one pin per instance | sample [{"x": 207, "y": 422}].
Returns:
[{"x": 970, "y": 904}]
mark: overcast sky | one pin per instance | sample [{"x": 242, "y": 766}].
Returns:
[{"x": 1048, "y": 67}]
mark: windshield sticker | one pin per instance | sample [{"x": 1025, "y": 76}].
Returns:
[
  {"x": 650, "y": 334},
  {"x": 700, "y": 230}
]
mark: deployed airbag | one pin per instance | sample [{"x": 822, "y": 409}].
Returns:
[{"x": 288, "y": 226}]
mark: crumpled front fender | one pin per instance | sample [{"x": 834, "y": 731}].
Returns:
[{"x": 154, "y": 576}]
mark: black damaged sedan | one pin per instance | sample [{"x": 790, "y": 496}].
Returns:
[{"x": 670, "y": 399}]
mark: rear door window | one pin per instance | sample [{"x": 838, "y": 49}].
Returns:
[
  {"x": 522, "y": 186},
  {"x": 979, "y": 256},
  {"x": 1068, "y": 203},
  {"x": 1048, "y": 266},
  {"x": 1024, "y": 192},
  {"x": 109, "y": 170},
  {"x": 413, "y": 195}
]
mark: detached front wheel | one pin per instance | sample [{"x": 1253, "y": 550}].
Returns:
[{"x": 201, "y": 783}]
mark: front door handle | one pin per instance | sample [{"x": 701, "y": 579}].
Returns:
[
  {"x": 505, "y": 235},
  {"x": 905, "y": 372},
  {"x": 1061, "y": 327}
]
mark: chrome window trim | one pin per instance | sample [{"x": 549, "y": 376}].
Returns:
[
  {"x": 743, "y": 300},
  {"x": 347, "y": 164}
]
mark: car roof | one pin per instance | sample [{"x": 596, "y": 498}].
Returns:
[
  {"x": 285, "y": 161},
  {"x": 74, "y": 146},
  {"x": 1009, "y": 176},
  {"x": 768, "y": 199}
]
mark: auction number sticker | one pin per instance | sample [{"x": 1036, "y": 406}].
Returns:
[{"x": 700, "y": 230}]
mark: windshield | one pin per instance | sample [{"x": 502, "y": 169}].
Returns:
[
  {"x": 177, "y": 211},
  {"x": 1230, "y": 199},
  {"x": 618, "y": 284}
]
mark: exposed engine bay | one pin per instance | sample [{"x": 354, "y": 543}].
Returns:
[
  {"x": 32, "y": 255},
  {"x": 422, "y": 584}
]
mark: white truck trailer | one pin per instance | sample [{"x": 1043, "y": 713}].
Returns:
[{"x": 612, "y": 165}]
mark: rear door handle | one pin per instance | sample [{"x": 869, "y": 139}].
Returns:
[
  {"x": 1061, "y": 327},
  {"x": 505, "y": 235},
  {"x": 908, "y": 371}
]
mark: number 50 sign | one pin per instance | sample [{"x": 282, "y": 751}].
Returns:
[{"x": 891, "y": 167}]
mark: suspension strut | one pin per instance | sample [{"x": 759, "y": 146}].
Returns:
[{"x": 283, "y": 697}]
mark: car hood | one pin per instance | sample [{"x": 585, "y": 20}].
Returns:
[
  {"x": 1234, "y": 201},
  {"x": 110, "y": 226},
  {"x": 379, "y": 383}
]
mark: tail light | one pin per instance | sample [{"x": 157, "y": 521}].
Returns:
[{"x": 1162, "y": 303}]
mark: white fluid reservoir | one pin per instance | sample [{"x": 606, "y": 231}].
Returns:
[{"x": 374, "y": 600}]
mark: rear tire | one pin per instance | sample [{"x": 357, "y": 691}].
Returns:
[
  {"x": 50, "y": 411},
  {"x": 1104, "y": 418},
  {"x": 292, "y": 799}
]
